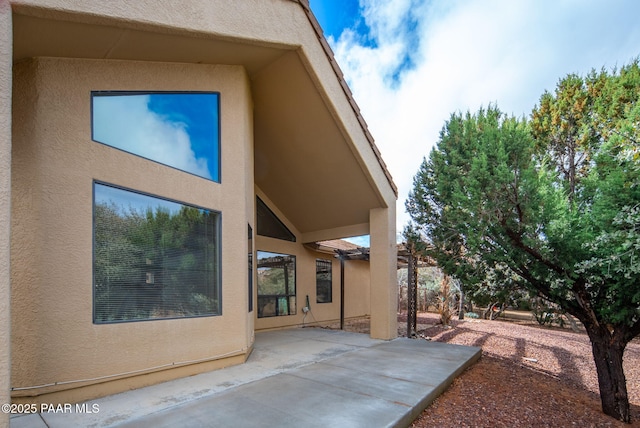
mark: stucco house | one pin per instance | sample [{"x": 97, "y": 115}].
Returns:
[{"x": 165, "y": 168}]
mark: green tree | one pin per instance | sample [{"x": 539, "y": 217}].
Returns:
[
  {"x": 603, "y": 218},
  {"x": 156, "y": 264},
  {"x": 546, "y": 206}
]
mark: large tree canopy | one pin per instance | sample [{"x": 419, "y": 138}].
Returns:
[{"x": 550, "y": 204}]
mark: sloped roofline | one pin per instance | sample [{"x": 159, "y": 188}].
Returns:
[{"x": 343, "y": 83}]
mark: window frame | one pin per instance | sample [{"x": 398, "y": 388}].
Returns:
[
  {"x": 217, "y": 260},
  {"x": 287, "y": 234},
  {"x": 260, "y": 313},
  {"x": 250, "y": 263},
  {"x": 328, "y": 263}
]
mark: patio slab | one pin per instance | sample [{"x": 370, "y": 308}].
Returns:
[{"x": 299, "y": 377}]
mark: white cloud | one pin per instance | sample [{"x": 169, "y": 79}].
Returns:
[
  {"x": 388, "y": 20},
  {"x": 127, "y": 123},
  {"x": 467, "y": 54}
]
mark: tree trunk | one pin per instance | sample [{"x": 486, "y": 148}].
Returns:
[{"x": 607, "y": 353}]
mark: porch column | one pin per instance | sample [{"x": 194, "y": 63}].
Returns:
[
  {"x": 6, "y": 44},
  {"x": 382, "y": 267}
]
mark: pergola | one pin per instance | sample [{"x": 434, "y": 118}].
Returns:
[{"x": 408, "y": 258}]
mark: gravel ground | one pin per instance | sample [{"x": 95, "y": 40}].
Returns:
[{"x": 528, "y": 376}]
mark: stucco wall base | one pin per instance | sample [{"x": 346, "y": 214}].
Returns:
[
  {"x": 316, "y": 324},
  {"x": 85, "y": 392}
]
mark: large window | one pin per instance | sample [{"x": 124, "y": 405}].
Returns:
[
  {"x": 276, "y": 284},
  {"x": 323, "y": 281},
  {"x": 153, "y": 258},
  {"x": 180, "y": 130}
]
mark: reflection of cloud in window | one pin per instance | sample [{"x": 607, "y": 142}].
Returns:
[{"x": 127, "y": 123}]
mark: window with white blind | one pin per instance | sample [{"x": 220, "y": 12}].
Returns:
[{"x": 153, "y": 258}]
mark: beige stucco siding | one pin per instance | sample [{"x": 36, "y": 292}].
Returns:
[
  {"x": 272, "y": 24},
  {"x": 54, "y": 166},
  {"x": 383, "y": 258},
  {"x": 46, "y": 189},
  {"x": 357, "y": 284},
  {"x": 357, "y": 281},
  {"x": 5, "y": 204},
  {"x": 228, "y": 18}
]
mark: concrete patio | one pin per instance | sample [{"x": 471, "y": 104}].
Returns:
[{"x": 307, "y": 377}]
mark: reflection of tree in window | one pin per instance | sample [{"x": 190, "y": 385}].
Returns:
[
  {"x": 276, "y": 284},
  {"x": 155, "y": 263},
  {"x": 323, "y": 281}
]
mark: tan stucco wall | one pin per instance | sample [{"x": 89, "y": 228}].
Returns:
[
  {"x": 250, "y": 209},
  {"x": 51, "y": 180},
  {"x": 5, "y": 204},
  {"x": 249, "y": 20},
  {"x": 239, "y": 18},
  {"x": 357, "y": 288},
  {"x": 384, "y": 286},
  {"x": 54, "y": 165},
  {"x": 357, "y": 282}
]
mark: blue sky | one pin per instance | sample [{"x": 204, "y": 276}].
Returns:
[
  {"x": 411, "y": 63},
  {"x": 336, "y": 15},
  {"x": 198, "y": 112}
]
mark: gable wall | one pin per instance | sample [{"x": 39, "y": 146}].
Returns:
[{"x": 53, "y": 168}]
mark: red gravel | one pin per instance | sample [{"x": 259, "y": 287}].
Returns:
[{"x": 528, "y": 376}]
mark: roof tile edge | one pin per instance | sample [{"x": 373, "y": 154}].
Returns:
[{"x": 345, "y": 87}]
